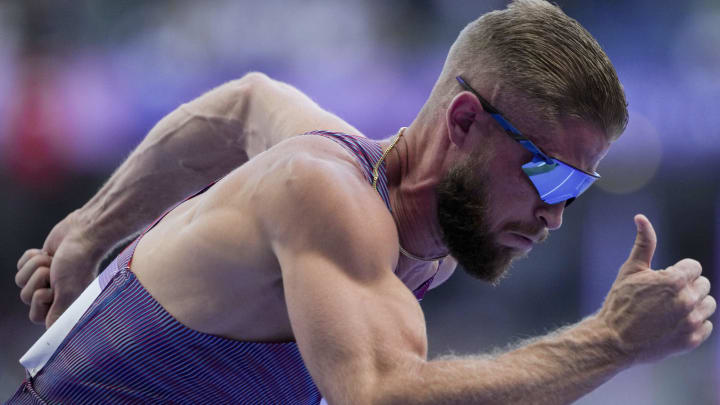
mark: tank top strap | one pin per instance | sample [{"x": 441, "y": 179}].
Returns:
[{"x": 368, "y": 153}]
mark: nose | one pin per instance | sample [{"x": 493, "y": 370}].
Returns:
[{"x": 551, "y": 214}]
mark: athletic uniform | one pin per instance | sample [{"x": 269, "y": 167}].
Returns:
[{"x": 116, "y": 344}]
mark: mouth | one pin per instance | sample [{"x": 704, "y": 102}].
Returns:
[{"x": 519, "y": 241}]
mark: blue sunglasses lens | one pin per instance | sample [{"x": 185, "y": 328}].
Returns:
[{"x": 556, "y": 181}]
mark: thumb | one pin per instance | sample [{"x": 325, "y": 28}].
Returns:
[{"x": 645, "y": 242}]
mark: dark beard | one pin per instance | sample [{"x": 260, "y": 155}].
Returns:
[{"x": 462, "y": 213}]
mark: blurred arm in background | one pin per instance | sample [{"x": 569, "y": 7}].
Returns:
[{"x": 195, "y": 144}]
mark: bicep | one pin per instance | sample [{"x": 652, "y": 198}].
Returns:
[
  {"x": 354, "y": 321},
  {"x": 353, "y": 332}
]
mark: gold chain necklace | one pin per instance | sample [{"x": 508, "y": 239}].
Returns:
[{"x": 376, "y": 175}]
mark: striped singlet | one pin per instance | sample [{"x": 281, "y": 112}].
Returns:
[
  {"x": 121, "y": 346},
  {"x": 368, "y": 152}
]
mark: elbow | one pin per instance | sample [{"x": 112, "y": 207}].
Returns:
[
  {"x": 238, "y": 94},
  {"x": 255, "y": 77},
  {"x": 251, "y": 83},
  {"x": 402, "y": 385},
  {"x": 405, "y": 384},
  {"x": 238, "y": 101}
]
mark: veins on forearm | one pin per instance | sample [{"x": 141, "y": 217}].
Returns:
[{"x": 181, "y": 154}]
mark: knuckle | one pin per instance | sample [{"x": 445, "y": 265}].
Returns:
[
  {"x": 678, "y": 281},
  {"x": 30, "y": 263},
  {"x": 44, "y": 272},
  {"x": 39, "y": 296},
  {"x": 24, "y": 257},
  {"x": 688, "y": 269},
  {"x": 703, "y": 285},
  {"x": 41, "y": 260},
  {"x": 694, "y": 321},
  {"x": 675, "y": 278},
  {"x": 687, "y": 302},
  {"x": 690, "y": 263}
]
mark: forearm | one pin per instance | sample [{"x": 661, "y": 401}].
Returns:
[
  {"x": 556, "y": 369},
  {"x": 195, "y": 144}
]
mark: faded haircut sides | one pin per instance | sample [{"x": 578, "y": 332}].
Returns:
[{"x": 535, "y": 49}]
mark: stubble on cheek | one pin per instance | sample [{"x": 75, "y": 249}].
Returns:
[{"x": 464, "y": 219}]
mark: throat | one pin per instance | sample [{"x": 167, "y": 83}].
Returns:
[
  {"x": 419, "y": 233},
  {"x": 412, "y": 200}
]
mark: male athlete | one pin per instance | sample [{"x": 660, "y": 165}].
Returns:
[{"x": 296, "y": 276}]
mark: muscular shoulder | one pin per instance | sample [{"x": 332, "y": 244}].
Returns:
[{"x": 316, "y": 201}]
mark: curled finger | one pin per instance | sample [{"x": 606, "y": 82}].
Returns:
[
  {"x": 39, "y": 279},
  {"x": 41, "y": 301},
  {"x": 701, "y": 286},
  {"x": 29, "y": 267},
  {"x": 688, "y": 300},
  {"x": 691, "y": 268},
  {"x": 27, "y": 255},
  {"x": 707, "y": 307},
  {"x": 701, "y": 335},
  {"x": 695, "y": 320}
]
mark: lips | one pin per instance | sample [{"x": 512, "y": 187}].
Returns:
[{"x": 518, "y": 241}]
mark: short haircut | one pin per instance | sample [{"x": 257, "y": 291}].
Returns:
[{"x": 535, "y": 49}]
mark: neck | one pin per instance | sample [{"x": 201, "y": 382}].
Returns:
[{"x": 413, "y": 169}]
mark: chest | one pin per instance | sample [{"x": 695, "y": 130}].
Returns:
[{"x": 210, "y": 269}]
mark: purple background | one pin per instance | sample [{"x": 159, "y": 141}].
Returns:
[{"x": 82, "y": 82}]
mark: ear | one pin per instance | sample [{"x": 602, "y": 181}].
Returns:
[{"x": 461, "y": 115}]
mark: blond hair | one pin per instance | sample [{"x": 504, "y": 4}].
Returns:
[{"x": 546, "y": 56}]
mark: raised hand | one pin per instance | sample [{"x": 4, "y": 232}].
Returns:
[
  {"x": 52, "y": 278},
  {"x": 657, "y": 313}
]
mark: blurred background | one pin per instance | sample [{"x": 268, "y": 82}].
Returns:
[{"x": 81, "y": 83}]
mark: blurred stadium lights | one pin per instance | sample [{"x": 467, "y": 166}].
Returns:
[
  {"x": 634, "y": 158},
  {"x": 82, "y": 82}
]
